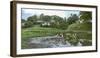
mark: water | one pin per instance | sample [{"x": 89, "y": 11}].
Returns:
[{"x": 48, "y": 42}]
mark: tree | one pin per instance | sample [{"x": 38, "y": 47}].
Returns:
[
  {"x": 23, "y": 20},
  {"x": 32, "y": 18},
  {"x": 28, "y": 24},
  {"x": 72, "y": 19},
  {"x": 46, "y": 18},
  {"x": 57, "y": 18},
  {"x": 85, "y": 16},
  {"x": 41, "y": 16},
  {"x": 59, "y": 22}
]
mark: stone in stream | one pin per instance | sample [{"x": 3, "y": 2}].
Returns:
[{"x": 48, "y": 42}]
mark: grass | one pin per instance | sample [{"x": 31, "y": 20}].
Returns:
[
  {"x": 37, "y": 31},
  {"x": 81, "y": 26}
]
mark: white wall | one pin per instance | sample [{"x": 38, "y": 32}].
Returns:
[{"x": 5, "y": 30}]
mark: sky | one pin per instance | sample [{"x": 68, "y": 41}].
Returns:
[{"x": 62, "y": 13}]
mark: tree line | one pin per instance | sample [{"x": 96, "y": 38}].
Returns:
[{"x": 55, "y": 21}]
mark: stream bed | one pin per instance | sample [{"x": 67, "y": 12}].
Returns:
[{"x": 49, "y": 42}]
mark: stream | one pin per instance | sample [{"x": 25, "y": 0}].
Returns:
[{"x": 49, "y": 42}]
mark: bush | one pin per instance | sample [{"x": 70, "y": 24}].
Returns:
[
  {"x": 27, "y": 24},
  {"x": 80, "y": 26}
]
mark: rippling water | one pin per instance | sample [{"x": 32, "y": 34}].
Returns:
[{"x": 48, "y": 42}]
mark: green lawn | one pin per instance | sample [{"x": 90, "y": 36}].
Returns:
[{"x": 39, "y": 31}]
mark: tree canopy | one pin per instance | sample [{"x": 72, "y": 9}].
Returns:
[{"x": 84, "y": 15}]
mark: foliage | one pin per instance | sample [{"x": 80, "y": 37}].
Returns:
[
  {"x": 28, "y": 24},
  {"x": 72, "y": 19},
  {"x": 84, "y": 15},
  {"x": 54, "y": 21},
  {"x": 86, "y": 26},
  {"x": 22, "y": 20}
]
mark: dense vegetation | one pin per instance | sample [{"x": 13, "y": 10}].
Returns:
[{"x": 76, "y": 28}]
